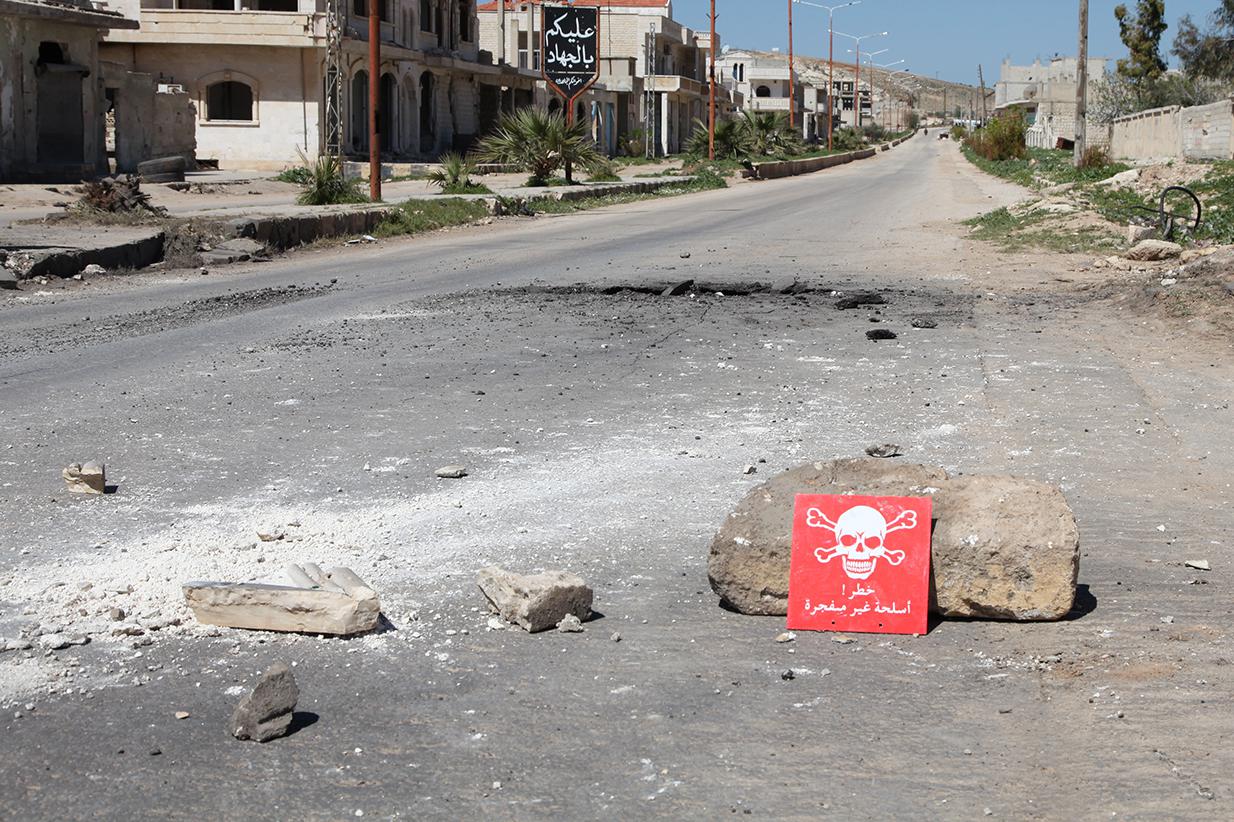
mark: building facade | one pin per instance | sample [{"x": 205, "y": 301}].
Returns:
[
  {"x": 256, "y": 72},
  {"x": 1046, "y": 95},
  {"x": 52, "y": 103}
]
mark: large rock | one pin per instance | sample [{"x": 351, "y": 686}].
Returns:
[
  {"x": 283, "y": 608},
  {"x": 1003, "y": 547},
  {"x": 537, "y": 601},
  {"x": 1147, "y": 251},
  {"x": 749, "y": 558},
  {"x": 266, "y": 713}
]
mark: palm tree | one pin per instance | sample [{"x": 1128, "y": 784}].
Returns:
[
  {"x": 540, "y": 143},
  {"x": 732, "y": 142}
]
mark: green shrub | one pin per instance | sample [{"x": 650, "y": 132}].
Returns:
[
  {"x": 416, "y": 216},
  {"x": 539, "y": 142},
  {"x": 454, "y": 176},
  {"x": 1095, "y": 157},
  {"x": 1003, "y": 138},
  {"x": 604, "y": 172},
  {"x": 300, "y": 175},
  {"x": 327, "y": 184},
  {"x": 633, "y": 143},
  {"x": 847, "y": 139}
]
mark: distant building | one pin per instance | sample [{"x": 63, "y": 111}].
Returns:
[
  {"x": 1045, "y": 93},
  {"x": 52, "y": 106},
  {"x": 761, "y": 81}
]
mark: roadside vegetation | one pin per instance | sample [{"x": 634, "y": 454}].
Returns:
[
  {"x": 453, "y": 176},
  {"x": 419, "y": 216},
  {"x": 326, "y": 184},
  {"x": 705, "y": 179},
  {"x": 540, "y": 143}
]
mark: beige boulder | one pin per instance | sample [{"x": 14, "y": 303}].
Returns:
[
  {"x": 1003, "y": 547},
  {"x": 1148, "y": 251},
  {"x": 283, "y": 608}
]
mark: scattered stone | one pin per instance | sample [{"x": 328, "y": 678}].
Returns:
[
  {"x": 787, "y": 636},
  {"x": 451, "y": 472},
  {"x": 880, "y": 334},
  {"x": 685, "y": 255},
  {"x": 570, "y": 624},
  {"x": 1153, "y": 251},
  {"x": 750, "y": 469},
  {"x": 980, "y": 567},
  {"x": 93, "y": 270},
  {"x": 1198, "y": 564},
  {"x": 1229, "y": 288},
  {"x": 885, "y": 451},
  {"x": 15, "y": 645},
  {"x": 679, "y": 289},
  {"x": 116, "y": 614},
  {"x": 1167, "y": 620},
  {"x": 1136, "y": 233},
  {"x": 1125, "y": 179},
  {"x": 923, "y": 322},
  {"x": 843, "y": 640},
  {"x": 266, "y": 713},
  {"x": 537, "y": 602},
  {"x": 348, "y": 607},
  {"x": 270, "y": 537},
  {"x": 58, "y": 642},
  {"x": 182, "y": 714},
  {"x": 8, "y": 280},
  {"x": 788, "y": 675},
  {"x": 860, "y": 298},
  {"x": 85, "y": 478},
  {"x": 128, "y": 630},
  {"x": 616, "y": 637}
]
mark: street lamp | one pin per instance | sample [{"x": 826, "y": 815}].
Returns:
[
  {"x": 831, "y": 64},
  {"x": 869, "y": 57},
  {"x": 857, "y": 81}
]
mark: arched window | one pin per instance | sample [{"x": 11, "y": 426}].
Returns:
[
  {"x": 762, "y": 91},
  {"x": 464, "y": 20},
  {"x": 229, "y": 100}
]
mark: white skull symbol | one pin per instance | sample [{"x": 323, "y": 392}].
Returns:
[{"x": 861, "y": 536}]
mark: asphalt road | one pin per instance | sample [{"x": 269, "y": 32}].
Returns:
[{"x": 607, "y": 434}]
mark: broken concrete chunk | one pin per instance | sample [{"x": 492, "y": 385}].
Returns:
[
  {"x": 981, "y": 565},
  {"x": 451, "y": 472},
  {"x": 537, "y": 602},
  {"x": 87, "y": 478},
  {"x": 678, "y": 289},
  {"x": 266, "y": 713},
  {"x": 860, "y": 298},
  {"x": 1199, "y": 564},
  {"x": 260, "y": 607},
  {"x": 885, "y": 451},
  {"x": 570, "y": 624}
]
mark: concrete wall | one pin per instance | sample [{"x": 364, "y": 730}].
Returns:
[{"x": 1199, "y": 133}]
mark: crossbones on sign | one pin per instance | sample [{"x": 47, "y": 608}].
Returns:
[{"x": 861, "y": 535}]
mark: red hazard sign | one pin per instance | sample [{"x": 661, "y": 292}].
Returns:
[{"x": 860, "y": 564}]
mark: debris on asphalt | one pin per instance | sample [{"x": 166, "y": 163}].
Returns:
[
  {"x": 266, "y": 713},
  {"x": 679, "y": 289},
  {"x": 451, "y": 472},
  {"x": 885, "y": 451},
  {"x": 881, "y": 334},
  {"x": 859, "y": 298},
  {"x": 750, "y": 469},
  {"x": 1198, "y": 564},
  {"x": 843, "y": 640},
  {"x": 85, "y": 478},
  {"x": 922, "y": 322},
  {"x": 616, "y": 637},
  {"x": 182, "y": 714},
  {"x": 335, "y": 601},
  {"x": 273, "y": 536},
  {"x": 787, "y": 636},
  {"x": 788, "y": 675},
  {"x": 570, "y": 624},
  {"x": 537, "y": 602}
]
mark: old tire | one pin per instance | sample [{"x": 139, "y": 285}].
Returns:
[{"x": 162, "y": 165}]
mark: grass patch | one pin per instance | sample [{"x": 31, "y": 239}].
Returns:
[
  {"x": 466, "y": 188},
  {"x": 706, "y": 180},
  {"x": 418, "y": 216},
  {"x": 1042, "y": 168},
  {"x": 1216, "y": 192},
  {"x": 1012, "y": 232},
  {"x": 299, "y": 175}
]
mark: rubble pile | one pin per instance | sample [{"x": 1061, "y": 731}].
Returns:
[{"x": 121, "y": 194}]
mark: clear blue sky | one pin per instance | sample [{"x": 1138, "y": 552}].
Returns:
[{"x": 947, "y": 37}]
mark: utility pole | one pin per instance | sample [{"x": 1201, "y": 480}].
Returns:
[
  {"x": 792, "y": 97},
  {"x": 1081, "y": 91},
  {"x": 711, "y": 119},
  {"x": 981, "y": 80},
  {"x": 374, "y": 100},
  {"x": 831, "y": 77}
]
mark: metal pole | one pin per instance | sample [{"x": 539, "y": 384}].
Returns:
[
  {"x": 711, "y": 116},
  {"x": 792, "y": 97},
  {"x": 374, "y": 95},
  {"x": 857, "y": 90},
  {"x": 831, "y": 77},
  {"x": 1081, "y": 91}
]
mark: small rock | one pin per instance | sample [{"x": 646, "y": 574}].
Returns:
[
  {"x": 116, "y": 614},
  {"x": 679, "y": 289},
  {"x": 93, "y": 270},
  {"x": 1153, "y": 251},
  {"x": 537, "y": 602},
  {"x": 923, "y": 322},
  {"x": 685, "y": 255},
  {"x": 880, "y": 334},
  {"x": 266, "y": 713},
  {"x": 860, "y": 298},
  {"x": 750, "y": 469},
  {"x": 57, "y": 642},
  {"x": 182, "y": 714},
  {"x": 570, "y": 624},
  {"x": 1198, "y": 564},
  {"x": 885, "y": 451},
  {"x": 843, "y": 640},
  {"x": 616, "y": 637},
  {"x": 788, "y": 675},
  {"x": 1167, "y": 620},
  {"x": 87, "y": 478},
  {"x": 1136, "y": 233},
  {"x": 156, "y": 751},
  {"x": 451, "y": 472},
  {"x": 270, "y": 536},
  {"x": 787, "y": 636}
]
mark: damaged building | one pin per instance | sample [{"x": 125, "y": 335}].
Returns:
[
  {"x": 256, "y": 74},
  {"x": 52, "y": 102}
]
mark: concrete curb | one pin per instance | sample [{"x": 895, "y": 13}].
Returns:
[
  {"x": 794, "y": 168},
  {"x": 131, "y": 254}
]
